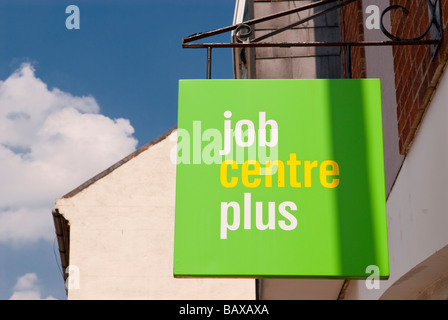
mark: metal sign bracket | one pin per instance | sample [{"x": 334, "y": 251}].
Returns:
[{"x": 242, "y": 32}]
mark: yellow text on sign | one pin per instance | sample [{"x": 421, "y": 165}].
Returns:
[{"x": 251, "y": 176}]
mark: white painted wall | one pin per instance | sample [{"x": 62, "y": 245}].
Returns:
[
  {"x": 122, "y": 235},
  {"x": 417, "y": 205}
]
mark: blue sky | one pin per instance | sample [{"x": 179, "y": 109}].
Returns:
[{"x": 123, "y": 63}]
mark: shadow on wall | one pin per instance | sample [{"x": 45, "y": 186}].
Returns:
[{"x": 328, "y": 59}]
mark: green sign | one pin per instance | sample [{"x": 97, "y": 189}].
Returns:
[{"x": 280, "y": 178}]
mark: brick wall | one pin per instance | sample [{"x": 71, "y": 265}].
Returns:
[
  {"x": 416, "y": 73},
  {"x": 352, "y": 29}
]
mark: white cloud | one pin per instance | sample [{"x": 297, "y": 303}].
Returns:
[
  {"x": 50, "y": 142},
  {"x": 25, "y": 224},
  {"x": 27, "y": 288}
]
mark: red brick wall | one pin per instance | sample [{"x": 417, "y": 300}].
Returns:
[
  {"x": 352, "y": 29},
  {"x": 416, "y": 73}
]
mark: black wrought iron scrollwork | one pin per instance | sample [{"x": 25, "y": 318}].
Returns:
[
  {"x": 243, "y": 32},
  {"x": 435, "y": 12}
]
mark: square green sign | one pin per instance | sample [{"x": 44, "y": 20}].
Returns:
[{"x": 280, "y": 178}]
